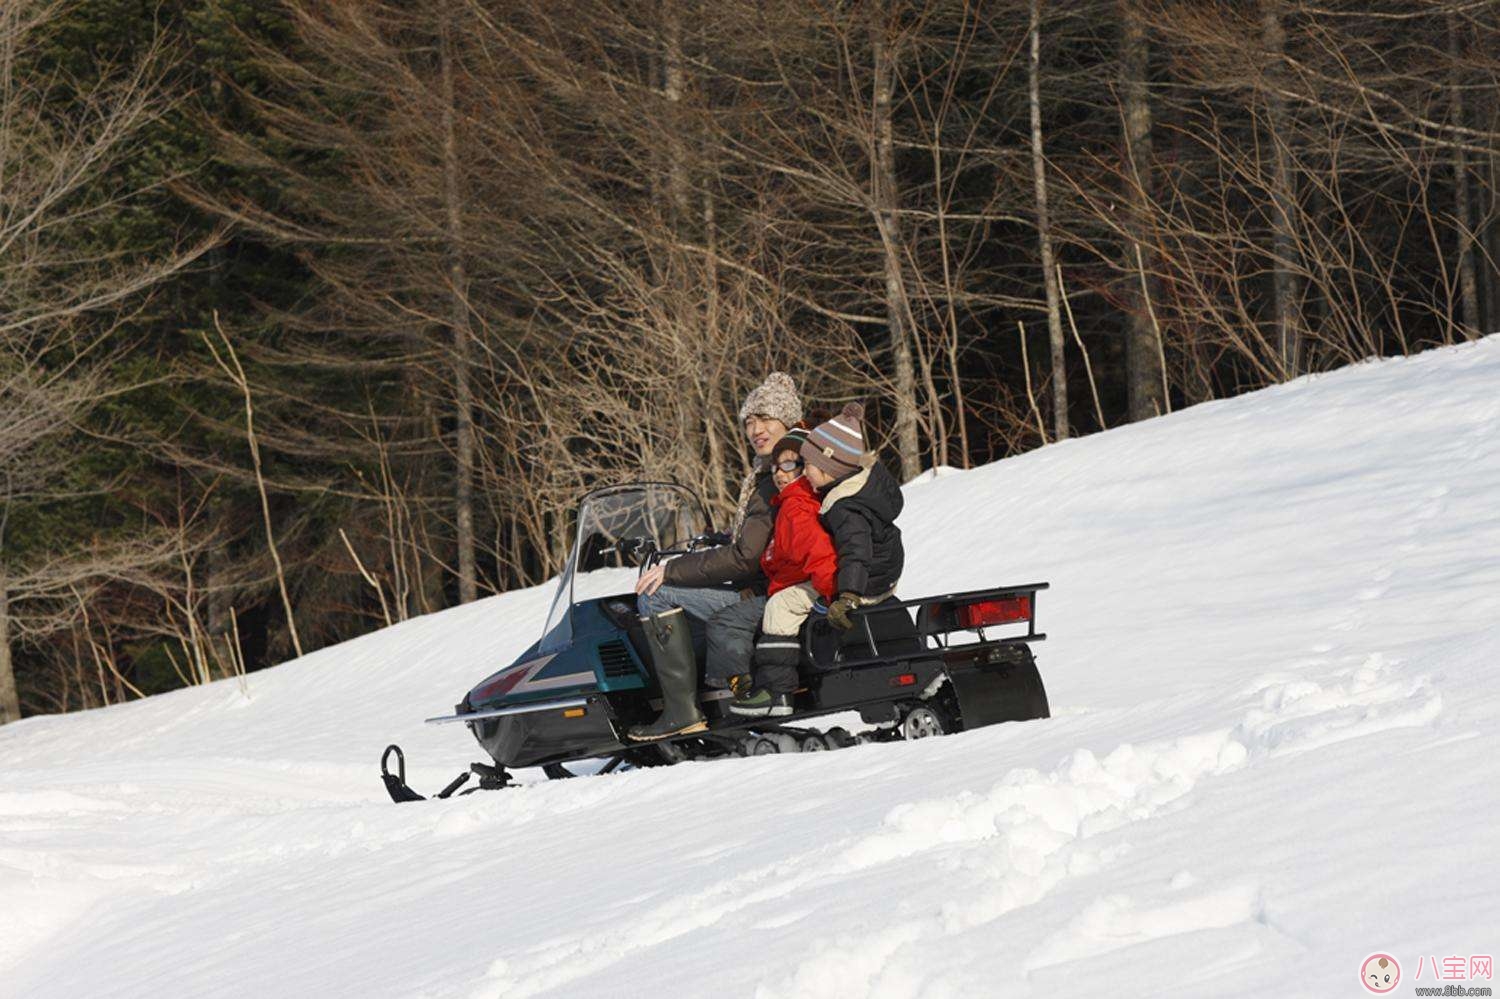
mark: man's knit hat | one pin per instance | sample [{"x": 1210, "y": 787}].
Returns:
[
  {"x": 775, "y": 397},
  {"x": 837, "y": 444}
]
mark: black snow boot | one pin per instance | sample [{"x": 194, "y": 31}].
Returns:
[
  {"x": 776, "y": 661},
  {"x": 671, "y": 646}
]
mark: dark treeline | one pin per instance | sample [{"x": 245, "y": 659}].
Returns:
[{"x": 319, "y": 314}]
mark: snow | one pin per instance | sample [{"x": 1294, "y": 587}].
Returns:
[{"x": 1272, "y": 641}]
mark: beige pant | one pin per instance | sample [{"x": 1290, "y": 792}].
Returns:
[{"x": 788, "y": 608}]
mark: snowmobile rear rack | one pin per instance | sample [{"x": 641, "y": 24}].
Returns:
[{"x": 939, "y": 616}]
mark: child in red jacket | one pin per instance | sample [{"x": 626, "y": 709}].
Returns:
[{"x": 800, "y": 567}]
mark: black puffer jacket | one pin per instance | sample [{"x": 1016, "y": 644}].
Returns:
[
  {"x": 860, "y": 512},
  {"x": 737, "y": 563}
]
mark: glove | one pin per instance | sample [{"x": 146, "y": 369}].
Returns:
[{"x": 838, "y": 611}]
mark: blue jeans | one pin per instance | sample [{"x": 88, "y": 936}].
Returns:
[
  {"x": 731, "y": 641},
  {"x": 700, "y": 603}
]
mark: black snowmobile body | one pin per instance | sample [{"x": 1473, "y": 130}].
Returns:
[{"x": 911, "y": 668}]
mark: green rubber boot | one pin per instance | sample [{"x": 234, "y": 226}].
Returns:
[{"x": 671, "y": 645}]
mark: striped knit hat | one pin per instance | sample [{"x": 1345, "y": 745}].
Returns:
[
  {"x": 837, "y": 444},
  {"x": 793, "y": 441}
]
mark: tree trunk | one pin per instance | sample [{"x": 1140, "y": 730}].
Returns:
[
  {"x": 1489, "y": 240},
  {"x": 463, "y": 402},
  {"x": 1285, "y": 284},
  {"x": 1044, "y": 237},
  {"x": 1468, "y": 285},
  {"x": 883, "y": 185},
  {"x": 216, "y": 565},
  {"x": 10, "y": 698},
  {"x": 422, "y": 568},
  {"x": 674, "y": 85},
  {"x": 1145, "y": 387},
  {"x": 216, "y": 559},
  {"x": 718, "y": 494},
  {"x": 1489, "y": 237}
]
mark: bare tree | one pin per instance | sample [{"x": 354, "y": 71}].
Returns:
[
  {"x": 884, "y": 53},
  {"x": 1044, "y": 235},
  {"x": 458, "y": 292},
  {"x": 62, "y": 297},
  {"x": 1145, "y": 386},
  {"x": 1463, "y": 215}
]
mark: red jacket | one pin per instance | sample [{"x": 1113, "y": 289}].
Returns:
[{"x": 800, "y": 550}]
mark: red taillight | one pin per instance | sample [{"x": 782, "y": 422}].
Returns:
[
  {"x": 988, "y": 612},
  {"x": 904, "y": 680}
]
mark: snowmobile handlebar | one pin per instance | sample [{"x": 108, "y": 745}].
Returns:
[
  {"x": 646, "y": 547},
  {"x": 697, "y": 542},
  {"x": 628, "y": 548}
]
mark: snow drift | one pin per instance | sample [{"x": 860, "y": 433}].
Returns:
[{"x": 1272, "y": 643}]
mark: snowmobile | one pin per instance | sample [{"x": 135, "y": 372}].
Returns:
[{"x": 910, "y": 668}]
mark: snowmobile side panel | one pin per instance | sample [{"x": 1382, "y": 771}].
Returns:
[
  {"x": 849, "y": 688},
  {"x": 538, "y": 679},
  {"x": 537, "y": 737},
  {"x": 599, "y": 657},
  {"x": 601, "y": 643}
]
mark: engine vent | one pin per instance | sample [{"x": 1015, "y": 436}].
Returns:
[{"x": 617, "y": 660}]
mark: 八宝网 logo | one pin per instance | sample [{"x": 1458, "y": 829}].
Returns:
[{"x": 1380, "y": 973}]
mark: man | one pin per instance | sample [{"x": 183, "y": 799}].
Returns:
[{"x": 677, "y": 598}]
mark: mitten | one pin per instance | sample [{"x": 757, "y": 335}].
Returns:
[{"x": 838, "y": 611}]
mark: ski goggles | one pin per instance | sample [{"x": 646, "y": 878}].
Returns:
[{"x": 790, "y": 465}]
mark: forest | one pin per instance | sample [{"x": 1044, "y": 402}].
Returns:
[{"x": 318, "y": 315}]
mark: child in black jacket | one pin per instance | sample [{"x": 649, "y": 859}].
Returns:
[{"x": 861, "y": 501}]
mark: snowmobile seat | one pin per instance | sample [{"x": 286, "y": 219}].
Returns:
[{"x": 891, "y": 634}]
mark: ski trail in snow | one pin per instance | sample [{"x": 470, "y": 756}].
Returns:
[
  {"x": 570, "y": 958},
  {"x": 1042, "y": 827},
  {"x": 1117, "y": 921}
]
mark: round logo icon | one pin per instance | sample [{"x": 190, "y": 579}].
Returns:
[{"x": 1380, "y": 973}]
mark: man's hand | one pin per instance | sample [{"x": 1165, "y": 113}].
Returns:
[
  {"x": 651, "y": 580},
  {"x": 838, "y": 611}
]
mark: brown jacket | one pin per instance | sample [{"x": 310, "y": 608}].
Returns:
[{"x": 737, "y": 563}]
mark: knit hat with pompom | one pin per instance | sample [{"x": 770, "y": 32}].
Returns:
[{"x": 837, "y": 444}]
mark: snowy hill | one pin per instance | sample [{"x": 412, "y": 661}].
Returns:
[{"x": 1272, "y": 667}]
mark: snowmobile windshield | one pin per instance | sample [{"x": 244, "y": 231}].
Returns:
[{"x": 616, "y": 526}]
